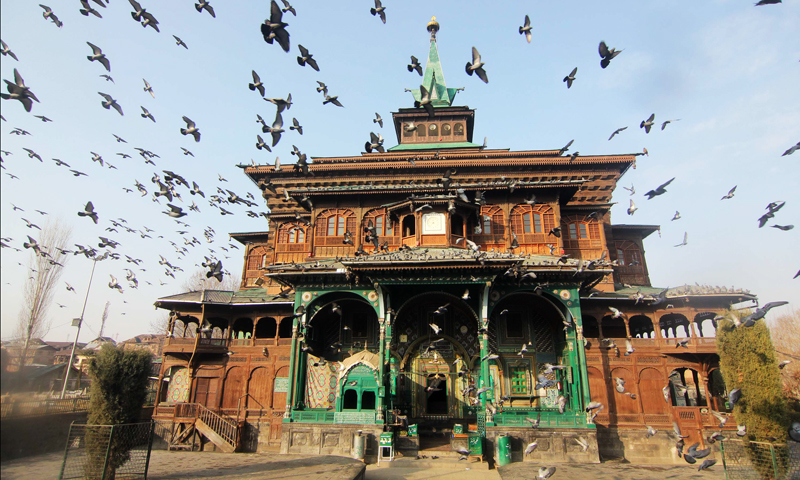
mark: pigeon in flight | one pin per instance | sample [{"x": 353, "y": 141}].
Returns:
[
  {"x": 49, "y": 15},
  {"x": 632, "y": 208},
  {"x": 147, "y": 88},
  {"x": 751, "y": 319},
  {"x": 424, "y": 101},
  {"x": 379, "y": 10},
  {"x": 565, "y": 148},
  {"x": 414, "y": 65},
  {"x": 322, "y": 88},
  {"x": 685, "y": 240},
  {"x": 647, "y": 124},
  {"x": 306, "y": 58},
  {"x": 660, "y": 190},
  {"x": 729, "y": 195},
  {"x": 146, "y": 114},
  {"x": 277, "y": 128},
  {"x": 334, "y": 100},
  {"x": 375, "y": 143},
  {"x": 525, "y": 29},
  {"x": 7, "y": 51},
  {"x": 180, "y": 42},
  {"x": 378, "y": 119},
  {"x": 109, "y": 102},
  {"x": 571, "y": 78},
  {"x": 607, "y": 54},
  {"x": 274, "y": 28},
  {"x": 107, "y": 77},
  {"x": 114, "y": 284},
  {"x": 204, "y": 5},
  {"x": 32, "y": 154},
  {"x": 174, "y": 211},
  {"x": 296, "y": 126},
  {"x": 216, "y": 271},
  {"x": 283, "y": 104},
  {"x": 288, "y": 8},
  {"x": 476, "y": 66},
  {"x": 664, "y": 124},
  {"x": 141, "y": 15},
  {"x": 619, "y": 130},
  {"x": 19, "y": 91},
  {"x": 87, "y": 9},
  {"x": 191, "y": 129},
  {"x": 260, "y": 143},
  {"x": 791, "y": 150},
  {"x": 88, "y": 211},
  {"x": 677, "y": 216},
  {"x": 256, "y": 84}
]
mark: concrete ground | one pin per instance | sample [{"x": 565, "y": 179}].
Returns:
[{"x": 166, "y": 465}]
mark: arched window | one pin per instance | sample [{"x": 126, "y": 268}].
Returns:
[
  {"x": 422, "y": 130},
  {"x": 458, "y": 129},
  {"x": 292, "y": 233},
  {"x": 492, "y": 220},
  {"x": 350, "y": 400},
  {"x": 333, "y": 223},
  {"x": 578, "y": 231},
  {"x": 531, "y": 225},
  {"x": 446, "y": 130},
  {"x": 581, "y": 236},
  {"x": 256, "y": 259},
  {"x": 433, "y": 130}
]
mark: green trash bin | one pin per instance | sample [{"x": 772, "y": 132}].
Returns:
[
  {"x": 503, "y": 450},
  {"x": 475, "y": 444}
]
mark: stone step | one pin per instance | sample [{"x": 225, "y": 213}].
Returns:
[{"x": 442, "y": 463}]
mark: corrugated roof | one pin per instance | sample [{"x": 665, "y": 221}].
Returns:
[{"x": 432, "y": 146}]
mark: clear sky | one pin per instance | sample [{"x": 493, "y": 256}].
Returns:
[{"x": 728, "y": 70}]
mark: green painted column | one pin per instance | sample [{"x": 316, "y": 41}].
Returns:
[
  {"x": 381, "y": 355},
  {"x": 287, "y": 415},
  {"x": 485, "y": 378},
  {"x": 574, "y": 307}
]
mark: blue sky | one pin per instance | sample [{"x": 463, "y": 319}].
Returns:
[{"x": 727, "y": 69}]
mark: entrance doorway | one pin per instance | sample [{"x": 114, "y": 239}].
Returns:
[{"x": 436, "y": 391}]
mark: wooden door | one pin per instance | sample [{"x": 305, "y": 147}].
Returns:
[
  {"x": 205, "y": 392},
  {"x": 233, "y": 388}
]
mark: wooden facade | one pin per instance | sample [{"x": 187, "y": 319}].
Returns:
[{"x": 361, "y": 351}]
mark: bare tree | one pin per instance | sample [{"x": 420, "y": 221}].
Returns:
[
  {"x": 785, "y": 330},
  {"x": 45, "y": 267},
  {"x": 198, "y": 281},
  {"x": 160, "y": 324}
]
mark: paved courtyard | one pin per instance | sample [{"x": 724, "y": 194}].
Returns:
[{"x": 166, "y": 465}]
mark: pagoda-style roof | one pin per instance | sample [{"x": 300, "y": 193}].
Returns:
[
  {"x": 433, "y": 78},
  {"x": 249, "y": 237},
  {"x": 251, "y": 296},
  {"x": 645, "y": 230},
  {"x": 628, "y": 292}
]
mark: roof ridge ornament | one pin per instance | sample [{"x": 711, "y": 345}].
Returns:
[{"x": 433, "y": 27}]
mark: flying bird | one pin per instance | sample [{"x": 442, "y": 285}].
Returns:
[
  {"x": 19, "y": 91},
  {"x": 767, "y": 2},
  {"x": 49, "y": 15},
  {"x": 334, "y": 100},
  {"x": 282, "y": 104},
  {"x": 296, "y": 126},
  {"x": 88, "y": 211},
  {"x": 660, "y": 190},
  {"x": 113, "y": 284},
  {"x": 147, "y": 88},
  {"x": 751, "y": 319},
  {"x": 791, "y": 150},
  {"x": 87, "y": 9},
  {"x": 414, "y": 65},
  {"x": 274, "y": 28},
  {"x": 667, "y": 122},
  {"x": 146, "y": 114},
  {"x": 139, "y": 14},
  {"x": 476, "y": 66},
  {"x": 375, "y": 143},
  {"x": 191, "y": 129},
  {"x": 729, "y": 195},
  {"x": 379, "y": 10},
  {"x": 180, "y": 42},
  {"x": 204, "y": 5},
  {"x": 108, "y": 102},
  {"x": 288, "y": 8},
  {"x": 616, "y": 132},
  {"x": 571, "y": 78},
  {"x": 305, "y": 58},
  {"x": 647, "y": 124},
  {"x": 378, "y": 119},
  {"x": 607, "y": 54},
  {"x": 677, "y": 216},
  {"x": 7, "y": 51},
  {"x": 632, "y": 208},
  {"x": 685, "y": 240},
  {"x": 525, "y": 29},
  {"x": 424, "y": 101}
]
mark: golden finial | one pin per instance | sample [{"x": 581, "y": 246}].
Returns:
[{"x": 433, "y": 27}]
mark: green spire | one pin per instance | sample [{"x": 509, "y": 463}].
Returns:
[{"x": 433, "y": 80}]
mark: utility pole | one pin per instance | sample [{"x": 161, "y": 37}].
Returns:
[{"x": 79, "y": 322}]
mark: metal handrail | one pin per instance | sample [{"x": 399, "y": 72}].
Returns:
[{"x": 225, "y": 428}]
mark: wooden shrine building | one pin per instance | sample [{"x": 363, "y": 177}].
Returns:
[{"x": 332, "y": 331}]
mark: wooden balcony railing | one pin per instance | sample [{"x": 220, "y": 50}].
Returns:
[{"x": 701, "y": 344}]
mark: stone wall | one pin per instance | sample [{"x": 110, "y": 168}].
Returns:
[
  {"x": 635, "y": 447},
  {"x": 327, "y": 439},
  {"x": 555, "y": 445}
]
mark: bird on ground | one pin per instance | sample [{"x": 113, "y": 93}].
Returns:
[
  {"x": 282, "y": 104},
  {"x": 607, "y": 54},
  {"x": 274, "y": 28},
  {"x": 7, "y": 51},
  {"x": 88, "y": 211},
  {"x": 19, "y": 91},
  {"x": 204, "y": 5},
  {"x": 147, "y": 88},
  {"x": 571, "y": 78},
  {"x": 414, "y": 65},
  {"x": 109, "y": 102},
  {"x": 296, "y": 126},
  {"x": 525, "y": 29},
  {"x": 334, "y": 100},
  {"x": 751, "y": 319},
  {"x": 375, "y": 143},
  {"x": 660, "y": 190},
  {"x": 545, "y": 473},
  {"x": 685, "y": 240},
  {"x": 98, "y": 55},
  {"x": 424, "y": 101},
  {"x": 741, "y": 430},
  {"x": 87, "y": 9},
  {"x": 191, "y": 129},
  {"x": 616, "y": 132},
  {"x": 378, "y": 119},
  {"x": 306, "y": 58},
  {"x": 379, "y": 10},
  {"x": 146, "y": 114},
  {"x": 476, "y": 66},
  {"x": 647, "y": 124},
  {"x": 729, "y": 195},
  {"x": 49, "y": 15}
]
